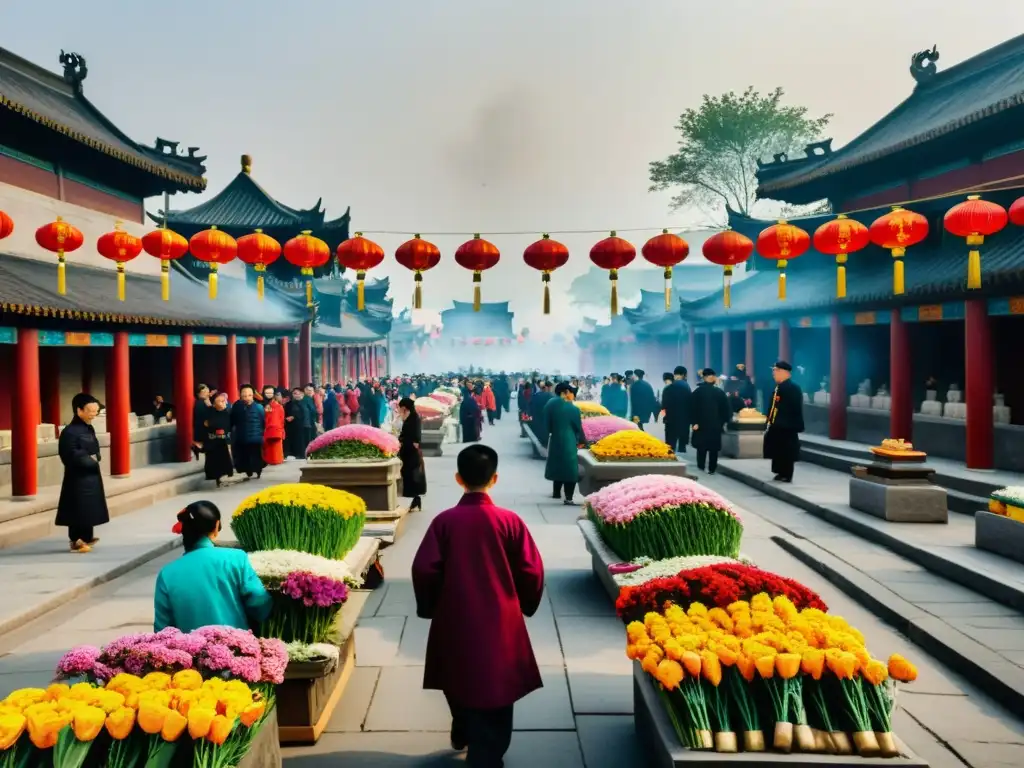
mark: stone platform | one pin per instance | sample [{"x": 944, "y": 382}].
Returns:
[
  {"x": 999, "y": 534},
  {"x": 595, "y": 475},
  {"x": 375, "y": 482},
  {"x": 601, "y": 557},
  {"x": 899, "y": 491},
  {"x": 431, "y": 441},
  {"x": 743, "y": 443}
]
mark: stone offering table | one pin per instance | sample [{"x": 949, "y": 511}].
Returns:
[
  {"x": 595, "y": 475},
  {"x": 999, "y": 534},
  {"x": 743, "y": 439},
  {"x": 375, "y": 482},
  {"x": 431, "y": 441},
  {"x": 899, "y": 489}
]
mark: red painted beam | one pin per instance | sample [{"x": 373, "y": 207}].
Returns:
[
  {"x": 258, "y": 372},
  {"x": 979, "y": 385},
  {"x": 231, "y": 368},
  {"x": 184, "y": 396},
  {"x": 119, "y": 405}
]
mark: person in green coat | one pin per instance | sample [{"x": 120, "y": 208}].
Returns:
[
  {"x": 565, "y": 430},
  {"x": 208, "y": 585}
]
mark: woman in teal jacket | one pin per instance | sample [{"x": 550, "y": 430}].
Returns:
[{"x": 208, "y": 585}]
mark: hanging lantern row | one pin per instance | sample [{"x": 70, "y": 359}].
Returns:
[
  {"x": 727, "y": 249},
  {"x": 666, "y": 250},
  {"x": 613, "y": 253},
  {"x": 546, "y": 255},
  {"x": 477, "y": 255},
  {"x": 360, "y": 254},
  {"x": 120, "y": 247}
]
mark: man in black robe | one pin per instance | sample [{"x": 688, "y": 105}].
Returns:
[
  {"x": 83, "y": 504},
  {"x": 296, "y": 425},
  {"x": 642, "y": 402},
  {"x": 310, "y": 402},
  {"x": 785, "y": 423},
  {"x": 537, "y": 403},
  {"x": 675, "y": 402}
]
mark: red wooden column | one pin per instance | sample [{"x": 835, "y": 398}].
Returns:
[
  {"x": 231, "y": 368},
  {"x": 50, "y": 382},
  {"x": 184, "y": 397},
  {"x": 785, "y": 345},
  {"x": 87, "y": 370},
  {"x": 306, "y": 354},
  {"x": 837, "y": 380},
  {"x": 748, "y": 353},
  {"x": 978, "y": 383},
  {"x": 258, "y": 373},
  {"x": 25, "y": 412},
  {"x": 244, "y": 359},
  {"x": 119, "y": 406},
  {"x": 284, "y": 375},
  {"x": 901, "y": 415},
  {"x": 726, "y": 352}
]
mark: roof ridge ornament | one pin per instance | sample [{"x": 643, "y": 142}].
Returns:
[
  {"x": 247, "y": 164},
  {"x": 75, "y": 70},
  {"x": 922, "y": 65}
]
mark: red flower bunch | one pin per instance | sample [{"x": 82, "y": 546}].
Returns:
[{"x": 714, "y": 585}]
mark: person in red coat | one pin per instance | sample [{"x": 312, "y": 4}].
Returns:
[
  {"x": 273, "y": 430},
  {"x": 476, "y": 575},
  {"x": 490, "y": 403},
  {"x": 352, "y": 401}
]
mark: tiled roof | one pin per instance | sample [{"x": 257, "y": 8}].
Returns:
[
  {"x": 29, "y": 287},
  {"x": 982, "y": 86},
  {"x": 352, "y": 331},
  {"x": 46, "y": 98}
]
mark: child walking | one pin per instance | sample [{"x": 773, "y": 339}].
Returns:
[{"x": 477, "y": 574}]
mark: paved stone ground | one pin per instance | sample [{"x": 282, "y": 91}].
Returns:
[{"x": 582, "y": 717}]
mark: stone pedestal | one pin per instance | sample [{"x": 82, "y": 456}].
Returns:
[
  {"x": 931, "y": 408},
  {"x": 999, "y": 534},
  {"x": 431, "y": 441},
  {"x": 860, "y": 401},
  {"x": 743, "y": 441},
  {"x": 451, "y": 430},
  {"x": 595, "y": 475},
  {"x": 822, "y": 398},
  {"x": 900, "y": 492},
  {"x": 955, "y": 410},
  {"x": 881, "y": 402},
  {"x": 375, "y": 482}
]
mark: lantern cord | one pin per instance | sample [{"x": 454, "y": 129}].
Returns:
[
  {"x": 213, "y": 281},
  {"x": 897, "y": 276},
  {"x": 62, "y": 278},
  {"x": 120, "y": 281},
  {"x": 165, "y": 280},
  {"x": 360, "y": 291},
  {"x": 840, "y": 281},
  {"x": 974, "y": 270}
]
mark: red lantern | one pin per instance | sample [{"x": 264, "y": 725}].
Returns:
[
  {"x": 168, "y": 246},
  {"x": 974, "y": 219},
  {"x": 1016, "y": 212},
  {"x": 215, "y": 248},
  {"x": 782, "y": 242},
  {"x": 60, "y": 237},
  {"x": 418, "y": 255},
  {"x": 477, "y": 255},
  {"x": 896, "y": 231},
  {"x": 120, "y": 247},
  {"x": 546, "y": 255},
  {"x": 6, "y": 225},
  {"x": 727, "y": 249},
  {"x": 258, "y": 250},
  {"x": 307, "y": 253},
  {"x": 841, "y": 237},
  {"x": 360, "y": 254},
  {"x": 613, "y": 253},
  {"x": 666, "y": 250}
]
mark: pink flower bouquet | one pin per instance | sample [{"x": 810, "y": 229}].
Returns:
[
  {"x": 661, "y": 516},
  {"x": 222, "y": 652},
  {"x": 353, "y": 442},
  {"x": 598, "y": 427},
  {"x": 444, "y": 397}
]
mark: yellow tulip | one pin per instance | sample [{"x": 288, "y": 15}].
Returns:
[
  {"x": 152, "y": 717},
  {"x": 44, "y": 726},
  {"x": 108, "y": 701},
  {"x": 57, "y": 691},
  {"x": 120, "y": 723},
  {"x": 24, "y": 697},
  {"x": 220, "y": 729},
  {"x": 252, "y": 713},
  {"x": 11, "y": 728},
  {"x": 174, "y": 726},
  {"x": 157, "y": 681},
  {"x": 88, "y": 723},
  {"x": 187, "y": 680},
  {"x": 199, "y": 721}
]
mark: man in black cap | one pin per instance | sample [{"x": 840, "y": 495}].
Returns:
[
  {"x": 642, "y": 402},
  {"x": 710, "y": 412},
  {"x": 785, "y": 423},
  {"x": 675, "y": 401}
]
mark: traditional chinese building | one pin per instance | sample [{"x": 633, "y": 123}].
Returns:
[
  {"x": 408, "y": 344},
  {"x": 491, "y": 325},
  {"x": 936, "y": 364}
]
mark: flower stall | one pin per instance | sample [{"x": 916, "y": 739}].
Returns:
[
  {"x": 1001, "y": 529},
  {"x": 623, "y": 454},
  {"x": 433, "y": 415},
  {"x": 304, "y": 543},
  {"x": 599, "y": 427},
  {"x": 590, "y": 410},
  {"x": 360, "y": 459}
]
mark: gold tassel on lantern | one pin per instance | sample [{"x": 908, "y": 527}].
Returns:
[
  {"x": 62, "y": 278},
  {"x": 308, "y": 272},
  {"x": 213, "y": 280},
  {"x": 361, "y": 290},
  {"x": 477, "y": 275},
  {"x": 841, "y": 276},
  {"x": 260, "y": 269},
  {"x": 120, "y": 281},
  {"x": 974, "y": 262},
  {"x": 897, "y": 271},
  {"x": 165, "y": 280},
  {"x": 417, "y": 294},
  {"x": 727, "y": 287},
  {"x": 546, "y": 279},
  {"x": 668, "y": 288},
  {"x": 613, "y": 275},
  {"x": 782, "y": 279}
]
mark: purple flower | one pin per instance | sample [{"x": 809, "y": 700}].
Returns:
[
  {"x": 273, "y": 660},
  {"x": 245, "y": 667},
  {"x": 314, "y": 590},
  {"x": 80, "y": 660},
  {"x": 217, "y": 657}
]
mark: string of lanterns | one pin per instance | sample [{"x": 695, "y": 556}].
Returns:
[{"x": 973, "y": 219}]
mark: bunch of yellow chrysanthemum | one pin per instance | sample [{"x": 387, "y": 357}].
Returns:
[
  {"x": 590, "y": 409},
  {"x": 812, "y": 668},
  {"x": 305, "y": 495},
  {"x": 631, "y": 446}
]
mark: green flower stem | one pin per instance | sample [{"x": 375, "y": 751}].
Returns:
[
  {"x": 880, "y": 701},
  {"x": 777, "y": 693},
  {"x": 687, "y": 530},
  {"x": 292, "y": 621},
  {"x": 741, "y": 696},
  {"x": 813, "y": 691},
  {"x": 314, "y": 530},
  {"x": 856, "y": 704}
]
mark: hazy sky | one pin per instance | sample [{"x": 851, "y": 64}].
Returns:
[{"x": 477, "y": 115}]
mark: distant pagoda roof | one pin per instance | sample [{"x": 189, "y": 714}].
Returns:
[
  {"x": 486, "y": 308},
  {"x": 353, "y": 330},
  {"x": 943, "y": 103},
  {"x": 28, "y": 287},
  {"x": 337, "y": 299},
  {"x": 618, "y": 331},
  {"x": 58, "y": 104},
  {"x": 494, "y": 320}
]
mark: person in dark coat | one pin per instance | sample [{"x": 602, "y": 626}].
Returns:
[
  {"x": 332, "y": 409},
  {"x": 202, "y": 404},
  {"x": 248, "y": 423},
  {"x": 642, "y": 402},
  {"x": 470, "y": 417},
  {"x": 296, "y": 425},
  {"x": 742, "y": 392},
  {"x": 368, "y": 409},
  {"x": 709, "y": 413},
  {"x": 675, "y": 402},
  {"x": 414, "y": 473},
  {"x": 83, "y": 504},
  {"x": 615, "y": 398},
  {"x": 314, "y": 418},
  {"x": 538, "y": 402},
  {"x": 216, "y": 437},
  {"x": 562, "y": 423},
  {"x": 785, "y": 423}
]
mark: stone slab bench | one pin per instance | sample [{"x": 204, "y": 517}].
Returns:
[
  {"x": 601, "y": 557},
  {"x": 999, "y": 534},
  {"x": 743, "y": 444},
  {"x": 924, "y": 503}
]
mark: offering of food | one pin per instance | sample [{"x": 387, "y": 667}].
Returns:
[
  {"x": 750, "y": 414},
  {"x": 898, "y": 450}
]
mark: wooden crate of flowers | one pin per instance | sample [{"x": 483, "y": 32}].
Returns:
[
  {"x": 1000, "y": 530},
  {"x": 622, "y": 454},
  {"x": 359, "y": 459}
]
